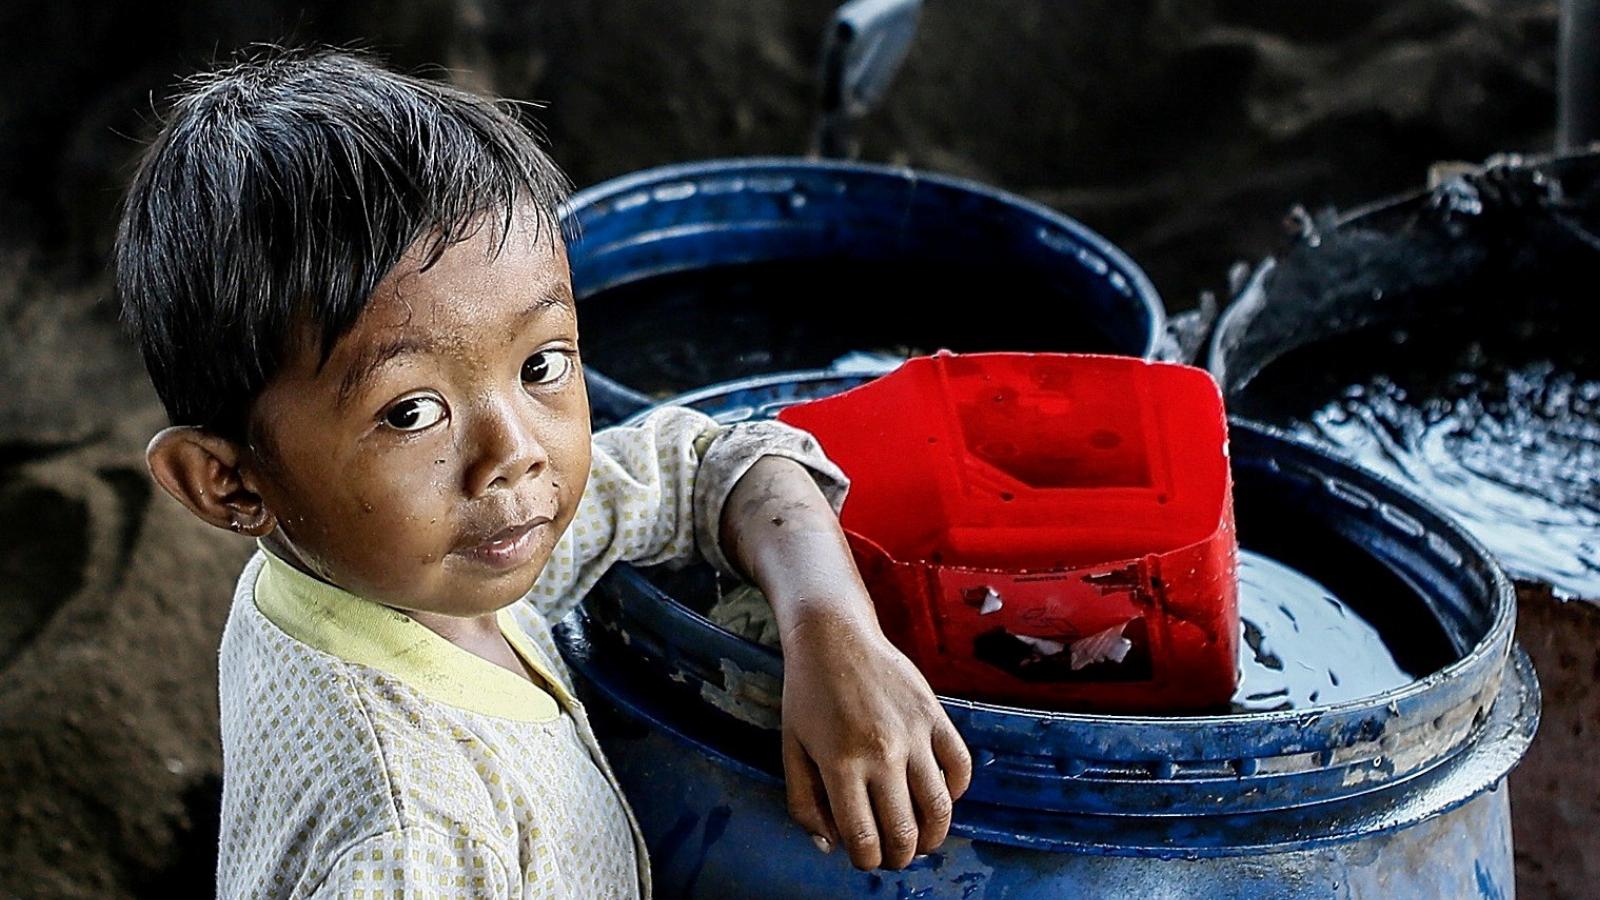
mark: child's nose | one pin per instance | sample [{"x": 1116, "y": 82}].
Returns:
[{"x": 507, "y": 449}]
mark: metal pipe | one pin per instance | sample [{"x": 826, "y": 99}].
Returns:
[
  {"x": 1578, "y": 75},
  {"x": 863, "y": 47}
]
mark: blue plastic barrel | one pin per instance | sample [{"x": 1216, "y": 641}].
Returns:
[
  {"x": 709, "y": 272},
  {"x": 1400, "y": 794}
]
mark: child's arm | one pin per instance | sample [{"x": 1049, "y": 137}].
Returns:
[
  {"x": 867, "y": 735},
  {"x": 863, "y": 734}
]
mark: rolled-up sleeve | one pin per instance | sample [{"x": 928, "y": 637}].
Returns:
[
  {"x": 732, "y": 454},
  {"x": 418, "y": 862}
]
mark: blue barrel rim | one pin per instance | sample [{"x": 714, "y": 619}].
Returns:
[
  {"x": 640, "y": 187},
  {"x": 1309, "y": 825},
  {"x": 1173, "y": 760}
]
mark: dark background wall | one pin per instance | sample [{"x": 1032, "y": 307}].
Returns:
[
  {"x": 1181, "y": 129},
  {"x": 1154, "y": 120}
]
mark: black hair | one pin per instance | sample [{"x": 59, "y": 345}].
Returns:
[{"x": 278, "y": 194}]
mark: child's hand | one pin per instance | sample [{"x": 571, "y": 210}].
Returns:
[{"x": 870, "y": 757}]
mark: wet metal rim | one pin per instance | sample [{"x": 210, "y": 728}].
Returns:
[
  {"x": 1251, "y": 297},
  {"x": 1384, "y": 214},
  {"x": 1217, "y": 832}
]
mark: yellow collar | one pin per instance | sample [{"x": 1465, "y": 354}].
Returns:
[{"x": 337, "y": 622}]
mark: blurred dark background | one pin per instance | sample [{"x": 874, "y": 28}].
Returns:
[{"x": 1183, "y": 130}]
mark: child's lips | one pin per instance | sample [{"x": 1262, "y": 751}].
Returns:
[{"x": 507, "y": 548}]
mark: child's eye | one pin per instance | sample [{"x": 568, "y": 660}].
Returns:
[
  {"x": 546, "y": 366},
  {"x": 414, "y": 413}
]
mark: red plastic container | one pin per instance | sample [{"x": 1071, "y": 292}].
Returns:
[{"x": 1048, "y": 530}]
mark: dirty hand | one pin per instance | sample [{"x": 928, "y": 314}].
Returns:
[{"x": 870, "y": 757}]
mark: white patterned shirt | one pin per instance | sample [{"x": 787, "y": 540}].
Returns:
[{"x": 366, "y": 757}]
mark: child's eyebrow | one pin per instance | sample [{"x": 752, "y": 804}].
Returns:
[
  {"x": 373, "y": 359},
  {"x": 555, "y": 297}
]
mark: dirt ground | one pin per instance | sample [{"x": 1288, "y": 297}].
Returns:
[{"x": 1182, "y": 129}]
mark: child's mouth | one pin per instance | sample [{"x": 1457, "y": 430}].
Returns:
[{"x": 507, "y": 548}]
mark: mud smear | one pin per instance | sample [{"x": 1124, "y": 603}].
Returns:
[
  {"x": 673, "y": 333},
  {"x": 1501, "y": 429}
]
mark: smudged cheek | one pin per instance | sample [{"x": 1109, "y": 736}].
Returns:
[
  {"x": 569, "y": 490},
  {"x": 571, "y": 471},
  {"x": 402, "y": 524}
]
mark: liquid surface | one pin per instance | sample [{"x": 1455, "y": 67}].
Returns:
[
  {"x": 673, "y": 333},
  {"x": 1301, "y": 645},
  {"x": 1501, "y": 429}
]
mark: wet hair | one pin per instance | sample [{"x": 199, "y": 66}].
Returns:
[{"x": 276, "y": 196}]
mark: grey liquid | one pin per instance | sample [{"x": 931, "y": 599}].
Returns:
[
  {"x": 1501, "y": 430},
  {"x": 1301, "y": 645}
]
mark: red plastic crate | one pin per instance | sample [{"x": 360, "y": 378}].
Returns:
[{"x": 1048, "y": 530}]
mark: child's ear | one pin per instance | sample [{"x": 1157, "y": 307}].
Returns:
[{"x": 201, "y": 471}]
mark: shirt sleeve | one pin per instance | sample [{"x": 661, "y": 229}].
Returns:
[
  {"x": 655, "y": 495},
  {"x": 416, "y": 861}
]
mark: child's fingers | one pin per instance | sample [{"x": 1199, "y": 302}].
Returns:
[
  {"x": 852, "y": 812},
  {"x": 951, "y": 752},
  {"x": 932, "y": 797},
  {"x": 807, "y": 799},
  {"x": 897, "y": 818}
]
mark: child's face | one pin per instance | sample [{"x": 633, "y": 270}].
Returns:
[{"x": 432, "y": 463}]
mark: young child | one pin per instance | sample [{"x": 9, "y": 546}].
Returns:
[{"x": 353, "y": 298}]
